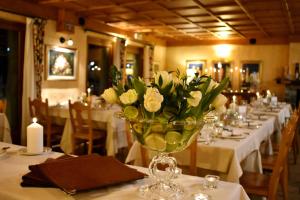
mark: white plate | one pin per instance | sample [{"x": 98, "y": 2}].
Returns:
[{"x": 23, "y": 151}]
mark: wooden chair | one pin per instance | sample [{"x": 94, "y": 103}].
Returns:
[
  {"x": 82, "y": 125},
  {"x": 266, "y": 185},
  {"x": 269, "y": 161},
  {"x": 40, "y": 110},
  {"x": 2, "y": 105}
]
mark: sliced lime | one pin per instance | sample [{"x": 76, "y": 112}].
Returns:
[
  {"x": 173, "y": 137},
  {"x": 138, "y": 128},
  {"x": 171, "y": 147},
  {"x": 190, "y": 123},
  {"x": 155, "y": 141},
  {"x": 157, "y": 127},
  {"x": 131, "y": 112}
]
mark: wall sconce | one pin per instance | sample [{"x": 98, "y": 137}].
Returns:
[{"x": 70, "y": 42}]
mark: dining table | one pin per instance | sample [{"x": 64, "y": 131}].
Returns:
[
  {"x": 103, "y": 118},
  {"x": 230, "y": 155},
  {"x": 13, "y": 165},
  {"x": 5, "y": 135}
]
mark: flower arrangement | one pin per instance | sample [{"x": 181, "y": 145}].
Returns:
[{"x": 169, "y": 98}]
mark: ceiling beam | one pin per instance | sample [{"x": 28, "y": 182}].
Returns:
[
  {"x": 251, "y": 17},
  {"x": 288, "y": 15},
  {"x": 55, "y": 1},
  {"x": 28, "y": 9},
  {"x": 202, "y": 6}
]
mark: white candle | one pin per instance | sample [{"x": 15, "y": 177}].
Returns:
[
  {"x": 89, "y": 91},
  {"x": 257, "y": 95},
  {"x": 233, "y": 98},
  {"x": 34, "y": 137}
]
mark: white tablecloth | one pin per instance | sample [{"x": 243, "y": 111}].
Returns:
[
  {"x": 115, "y": 128},
  {"x": 13, "y": 166},
  {"x": 4, "y": 129}
]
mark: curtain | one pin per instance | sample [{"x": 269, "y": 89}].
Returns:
[
  {"x": 38, "y": 47},
  {"x": 28, "y": 78},
  {"x": 123, "y": 59},
  {"x": 148, "y": 62}
]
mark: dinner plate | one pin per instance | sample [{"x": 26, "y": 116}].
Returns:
[{"x": 23, "y": 151}]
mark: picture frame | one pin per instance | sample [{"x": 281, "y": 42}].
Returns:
[
  {"x": 61, "y": 63},
  {"x": 251, "y": 73},
  {"x": 221, "y": 70},
  {"x": 195, "y": 66}
]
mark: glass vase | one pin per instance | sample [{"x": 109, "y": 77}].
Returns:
[{"x": 164, "y": 138}]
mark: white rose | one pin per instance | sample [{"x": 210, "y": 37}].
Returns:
[
  {"x": 219, "y": 101},
  {"x": 129, "y": 97},
  {"x": 195, "y": 99},
  {"x": 110, "y": 95},
  {"x": 166, "y": 78},
  {"x": 221, "y": 109},
  {"x": 152, "y": 99}
]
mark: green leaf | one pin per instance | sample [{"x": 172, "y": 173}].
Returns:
[
  {"x": 139, "y": 87},
  {"x": 160, "y": 81}
]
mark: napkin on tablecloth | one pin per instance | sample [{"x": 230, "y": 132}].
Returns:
[{"x": 75, "y": 174}]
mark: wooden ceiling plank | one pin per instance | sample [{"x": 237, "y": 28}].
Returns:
[
  {"x": 289, "y": 16},
  {"x": 183, "y": 17},
  {"x": 150, "y": 18},
  {"x": 55, "y": 1},
  {"x": 202, "y": 6},
  {"x": 251, "y": 17}
]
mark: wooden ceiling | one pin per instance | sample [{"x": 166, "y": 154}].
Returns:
[{"x": 191, "y": 20}]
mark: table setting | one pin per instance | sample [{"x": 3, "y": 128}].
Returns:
[{"x": 11, "y": 180}]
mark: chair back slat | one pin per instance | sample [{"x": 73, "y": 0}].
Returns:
[
  {"x": 81, "y": 120},
  {"x": 40, "y": 110},
  {"x": 2, "y": 105}
]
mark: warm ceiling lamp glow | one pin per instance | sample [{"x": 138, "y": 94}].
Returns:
[
  {"x": 223, "y": 35},
  {"x": 223, "y": 51}
]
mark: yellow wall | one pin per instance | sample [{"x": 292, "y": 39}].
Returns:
[
  {"x": 160, "y": 56},
  {"x": 62, "y": 90},
  {"x": 274, "y": 59}
]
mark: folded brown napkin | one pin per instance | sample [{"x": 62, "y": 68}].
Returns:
[{"x": 73, "y": 174}]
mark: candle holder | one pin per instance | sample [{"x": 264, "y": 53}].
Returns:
[{"x": 211, "y": 181}]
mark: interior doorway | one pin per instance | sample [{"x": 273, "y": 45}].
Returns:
[
  {"x": 98, "y": 65},
  {"x": 12, "y": 37},
  {"x": 134, "y": 61}
]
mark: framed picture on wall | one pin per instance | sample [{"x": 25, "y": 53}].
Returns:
[
  {"x": 61, "y": 63},
  {"x": 194, "y": 66},
  {"x": 251, "y": 74}
]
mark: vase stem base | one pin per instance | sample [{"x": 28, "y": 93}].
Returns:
[{"x": 162, "y": 191}]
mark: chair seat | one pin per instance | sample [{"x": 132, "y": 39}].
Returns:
[
  {"x": 97, "y": 134},
  {"x": 255, "y": 183},
  {"x": 268, "y": 161}
]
